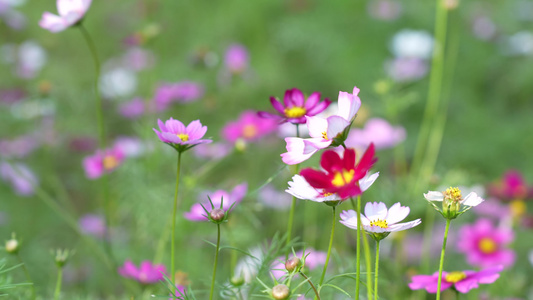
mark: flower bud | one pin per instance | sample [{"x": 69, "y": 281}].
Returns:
[
  {"x": 62, "y": 256},
  {"x": 293, "y": 264},
  {"x": 237, "y": 281},
  {"x": 217, "y": 215},
  {"x": 280, "y": 292},
  {"x": 12, "y": 246}
]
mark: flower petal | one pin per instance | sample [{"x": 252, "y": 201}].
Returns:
[
  {"x": 472, "y": 199},
  {"x": 434, "y": 196},
  {"x": 368, "y": 180},
  {"x": 397, "y": 213},
  {"x": 375, "y": 210}
]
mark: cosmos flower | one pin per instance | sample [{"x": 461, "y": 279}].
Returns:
[
  {"x": 70, "y": 13},
  {"x": 313, "y": 260},
  {"x": 274, "y": 198},
  {"x": 324, "y": 132},
  {"x": 147, "y": 273},
  {"x": 102, "y": 161},
  {"x": 405, "y": 69},
  {"x": 183, "y": 91},
  {"x": 341, "y": 175},
  {"x": 377, "y": 131},
  {"x": 378, "y": 221},
  {"x": 181, "y": 138},
  {"x": 20, "y": 177},
  {"x": 511, "y": 187},
  {"x": 92, "y": 224},
  {"x": 453, "y": 203},
  {"x": 132, "y": 109},
  {"x": 197, "y": 212},
  {"x": 295, "y": 107},
  {"x": 462, "y": 281},
  {"x": 236, "y": 58},
  {"x": 485, "y": 245},
  {"x": 249, "y": 127}
]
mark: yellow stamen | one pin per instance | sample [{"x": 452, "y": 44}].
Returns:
[
  {"x": 325, "y": 135},
  {"x": 249, "y": 131},
  {"x": 518, "y": 208},
  {"x": 341, "y": 179},
  {"x": 295, "y": 112},
  {"x": 454, "y": 277},
  {"x": 109, "y": 162},
  {"x": 183, "y": 137},
  {"x": 487, "y": 245},
  {"x": 453, "y": 194},
  {"x": 379, "y": 223},
  {"x": 326, "y": 194}
]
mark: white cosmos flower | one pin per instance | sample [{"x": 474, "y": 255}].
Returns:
[
  {"x": 453, "y": 203},
  {"x": 301, "y": 189},
  {"x": 379, "y": 219}
]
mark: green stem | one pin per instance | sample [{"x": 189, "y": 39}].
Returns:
[
  {"x": 442, "y": 256},
  {"x": 174, "y": 211},
  {"x": 216, "y": 263},
  {"x": 376, "y": 272},
  {"x": 368, "y": 263},
  {"x": 357, "y": 208},
  {"x": 293, "y": 204},
  {"x": 311, "y": 284},
  {"x": 58, "y": 284},
  {"x": 329, "y": 248},
  {"x": 358, "y": 250},
  {"x": 28, "y": 277}
]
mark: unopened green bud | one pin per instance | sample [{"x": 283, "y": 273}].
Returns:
[
  {"x": 62, "y": 256},
  {"x": 237, "y": 281}
]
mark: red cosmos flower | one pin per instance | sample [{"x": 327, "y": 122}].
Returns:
[{"x": 340, "y": 175}]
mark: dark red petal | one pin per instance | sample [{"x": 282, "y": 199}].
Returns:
[
  {"x": 366, "y": 162},
  {"x": 331, "y": 161},
  {"x": 315, "y": 178},
  {"x": 349, "y": 190},
  {"x": 349, "y": 159}
]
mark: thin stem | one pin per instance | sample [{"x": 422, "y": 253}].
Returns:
[
  {"x": 329, "y": 248},
  {"x": 174, "y": 211},
  {"x": 293, "y": 203},
  {"x": 58, "y": 284},
  {"x": 442, "y": 256},
  {"x": 358, "y": 250},
  {"x": 368, "y": 263},
  {"x": 216, "y": 263},
  {"x": 376, "y": 272},
  {"x": 311, "y": 284},
  {"x": 28, "y": 277}
]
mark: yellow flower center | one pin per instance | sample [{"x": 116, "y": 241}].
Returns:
[
  {"x": 518, "y": 208},
  {"x": 454, "y": 277},
  {"x": 109, "y": 162},
  {"x": 325, "y": 136},
  {"x": 183, "y": 137},
  {"x": 379, "y": 223},
  {"x": 342, "y": 178},
  {"x": 487, "y": 245},
  {"x": 295, "y": 112},
  {"x": 249, "y": 131},
  {"x": 326, "y": 194},
  {"x": 453, "y": 194}
]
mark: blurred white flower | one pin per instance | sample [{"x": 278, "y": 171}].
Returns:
[
  {"x": 412, "y": 43},
  {"x": 520, "y": 43},
  {"x": 118, "y": 82}
]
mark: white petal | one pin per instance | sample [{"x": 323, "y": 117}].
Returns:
[
  {"x": 368, "y": 180},
  {"x": 347, "y": 214},
  {"x": 397, "y": 213},
  {"x": 336, "y": 125},
  {"x": 472, "y": 199},
  {"x": 434, "y": 196},
  {"x": 404, "y": 226},
  {"x": 375, "y": 210},
  {"x": 301, "y": 189},
  {"x": 350, "y": 223},
  {"x": 316, "y": 126}
]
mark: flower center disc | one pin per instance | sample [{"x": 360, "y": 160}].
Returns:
[
  {"x": 454, "y": 277},
  {"x": 295, "y": 112},
  {"x": 109, "y": 162},
  {"x": 249, "y": 131},
  {"x": 453, "y": 194},
  {"x": 325, "y": 136},
  {"x": 379, "y": 223},
  {"x": 341, "y": 179},
  {"x": 183, "y": 137},
  {"x": 487, "y": 245}
]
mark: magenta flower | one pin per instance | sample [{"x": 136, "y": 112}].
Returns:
[
  {"x": 462, "y": 281},
  {"x": 295, "y": 107},
  {"x": 197, "y": 212},
  {"x": 102, "y": 162},
  {"x": 70, "y": 13},
  {"x": 511, "y": 187},
  {"x": 485, "y": 245},
  {"x": 147, "y": 273},
  {"x": 185, "y": 91},
  {"x": 93, "y": 224},
  {"x": 181, "y": 138},
  {"x": 249, "y": 127},
  {"x": 377, "y": 131},
  {"x": 236, "y": 58}
]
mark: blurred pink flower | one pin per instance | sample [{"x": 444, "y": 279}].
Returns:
[
  {"x": 295, "y": 107},
  {"x": 511, "y": 187},
  {"x": 179, "y": 292},
  {"x": 404, "y": 69},
  {"x": 462, "y": 281},
  {"x": 185, "y": 91},
  {"x": 484, "y": 245},
  {"x": 130, "y": 146},
  {"x": 236, "y": 58},
  {"x": 212, "y": 151},
  {"x": 387, "y": 10},
  {"x": 92, "y": 224},
  {"x": 11, "y": 96},
  {"x": 181, "y": 138},
  {"x": 102, "y": 161},
  {"x": 70, "y": 13},
  {"x": 249, "y": 127},
  {"x": 273, "y": 198},
  {"x": 147, "y": 273},
  {"x": 21, "y": 178},
  {"x": 132, "y": 109},
  {"x": 18, "y": 147},
  {"x": 377, "y": 131},
  {"x": 138, "y": 59},
  {"x": 197, "y": 213}
]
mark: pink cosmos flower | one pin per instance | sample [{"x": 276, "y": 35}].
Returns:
[
  {"x": 132, "y": 109},
  {"x": 70, "y": 13},
  {"x": 377, "y": 131},
  {"x": 341, "y": 175},
  {"x": 405, "y": 69},
  {"x": 295, "y": 107},
  {"x": 92, "y": 224},
  {"x": 273, "y": 198},
  {"x": 511, "y": 187},
  {"x": 102, "y": 161},
  {"x": 197, "y": 213},
  {"x": 485, "y": 245},
  {"x": 18, "y": 147},
  {"x": 20, "y": 176},
  {"x": 462, "y": 281},
  {"x": 323, "y": 132},
  {"x": 249, "y": 127},
  {"x": 147, "y": 273},
  {"x": 185, "y": 91},
  {"x": 212, "y": 151},
  {"x": 182, "y": 138},
  {"x": 236, "y": 58}
]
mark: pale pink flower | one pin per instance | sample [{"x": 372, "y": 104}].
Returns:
[
  {"x": 70, "y": 13},
  {"x": 387, "y": 10},
  {"x": 273, "y": 198},
  {"x": 197, "y": 213},
  {"x": 377, "y": 131},
  {"x": 236, "y": 58},
  {"x": 212, "y": 151},
  {"x": 405, "y": 69},
  {"x": 93, "y": 224},
  {"x": 249, "y": 127},
  {"x": 147, "y": 273},
  {"x": 182, "y": 138},
  {"x": 132, "y": 109},
  {"x": 185, "y": 91},
  {"x": 20, "y": 176},
  {"x": 102, "y": 162}
]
